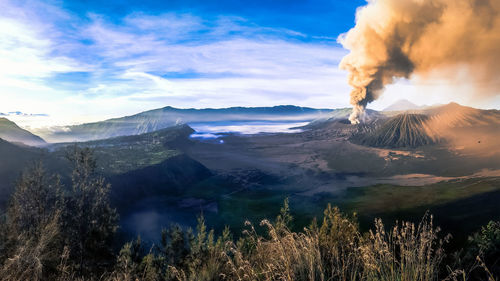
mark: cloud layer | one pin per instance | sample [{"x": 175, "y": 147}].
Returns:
[{"x": 89, "y": 68}]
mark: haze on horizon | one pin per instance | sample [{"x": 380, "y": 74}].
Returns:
[{"x": 84, "y": 61}]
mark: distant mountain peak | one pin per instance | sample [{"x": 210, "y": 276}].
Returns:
[{"x": 402, "y": 105}]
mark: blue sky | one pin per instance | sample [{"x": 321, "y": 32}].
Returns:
[{"x": 81, "y": 61}]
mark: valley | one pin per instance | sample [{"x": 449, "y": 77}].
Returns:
[{"x": 391, "y": 166}]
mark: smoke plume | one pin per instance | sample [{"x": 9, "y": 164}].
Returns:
[{"x": 401, "y": 38}]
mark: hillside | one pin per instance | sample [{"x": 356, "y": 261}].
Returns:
[
  {"x": 127, "y": 153},
  {"x": 157, "y": 119},
  {"x": 466, "y": 129},
  {"x": 11, "y": 132},
  {"x": 15, "y": 159},
  {"x": 454, "y": 115},
  {"x": 404, "y": 130},
  {"x": 138, "y": 167},
  {"x": 146, "y": 165},
  {"x": 462, "y": 127}
]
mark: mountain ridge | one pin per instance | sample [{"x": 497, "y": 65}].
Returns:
[
  {"x": 11, "y": 132},
  {"x": 156, "y": 119}
]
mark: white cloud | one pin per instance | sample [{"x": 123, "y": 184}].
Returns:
[
  {"x": 150, "y": 61},
  {"x": 27, "y": 58},
  {"x": 226, "y": 72}
]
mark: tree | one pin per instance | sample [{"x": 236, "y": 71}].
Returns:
[
  {"x": 36, "y": 200},
  {"x": 32, "y": 227},
  {"x": 89, "y": 220}
]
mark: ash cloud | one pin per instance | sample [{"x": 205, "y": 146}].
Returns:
[{"x": 429, "y": 38}]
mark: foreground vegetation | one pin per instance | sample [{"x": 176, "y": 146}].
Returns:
[{"x": 57, "y": 232}]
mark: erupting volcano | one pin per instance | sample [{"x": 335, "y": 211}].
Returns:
[{"x": 424, "y": 38}]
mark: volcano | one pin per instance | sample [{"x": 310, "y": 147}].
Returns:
[
  {"x": 403, "y": 130},
  {"x": 453, "y": 116}
]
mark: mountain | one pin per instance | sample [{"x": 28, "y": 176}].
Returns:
[
  {"x": 402, "y": 105},
  {"x": 454, "y": 115},
  {"x": 157, "y": 119},
  {"x": 403, "y": 130},
  {"x": 9, "y": 131},
  {"x": 342, "y": 115},
  {"x": 461, "y": 126},
  {"x": 468, "y": 130}
]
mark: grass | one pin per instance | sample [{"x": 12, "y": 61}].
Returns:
[
  {"x": 390, "y": 198},
  {"x": 455, "y": 202},
  {"x": 333, "y": 249}
]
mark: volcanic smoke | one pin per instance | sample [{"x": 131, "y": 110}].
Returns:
[{"x": 439, "y": 38}]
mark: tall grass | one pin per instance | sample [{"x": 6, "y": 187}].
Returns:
[
  {"x": 334, "y": 249},
  {"x": 408, "y": 252}
]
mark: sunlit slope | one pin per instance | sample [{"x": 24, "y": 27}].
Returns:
[
  {"x": 466, "y": 129},
  {"x": 459, "y": 127}
]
